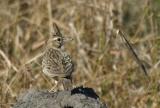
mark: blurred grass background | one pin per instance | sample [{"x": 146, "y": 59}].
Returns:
[{"x": 102, "y": 60}]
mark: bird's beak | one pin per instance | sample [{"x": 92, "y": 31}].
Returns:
[{"x": 66, "y": 39}]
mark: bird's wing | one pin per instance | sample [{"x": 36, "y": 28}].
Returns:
[{"x": 68, "y": 64}]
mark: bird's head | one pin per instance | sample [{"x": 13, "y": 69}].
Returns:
[{"x": 57, "y": 40}]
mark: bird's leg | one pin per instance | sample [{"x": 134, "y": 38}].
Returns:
[
  {"x": 53, "y": 88},
  {"x": 67, "y": 83}
]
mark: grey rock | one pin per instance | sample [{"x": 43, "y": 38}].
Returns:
[{"x": 76, "y": 98}]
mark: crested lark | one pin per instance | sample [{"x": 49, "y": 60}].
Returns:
[{"x": 56, "y": 62}]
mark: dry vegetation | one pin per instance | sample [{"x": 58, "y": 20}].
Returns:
[{"x": 102, "y": 60}]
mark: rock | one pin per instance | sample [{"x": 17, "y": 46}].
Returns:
[{"x": 76, "y": 98}]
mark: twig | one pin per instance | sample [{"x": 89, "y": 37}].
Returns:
[
  {"x": 34, "y": 58},
  {"x": 50, "y": 16},
  {"x": 130, "y": 48},
  {"x": 9, "y": 64}
]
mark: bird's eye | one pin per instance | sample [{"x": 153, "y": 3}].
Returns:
[{"x": 59, "y": 39}]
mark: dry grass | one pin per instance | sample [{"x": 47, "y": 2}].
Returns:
[{"x": 102, "y": 60}]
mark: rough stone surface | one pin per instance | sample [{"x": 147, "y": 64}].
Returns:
[{"x": 76, "y": 98}]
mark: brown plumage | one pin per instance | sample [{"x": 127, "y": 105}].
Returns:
[{"x": 56, "y": 62}]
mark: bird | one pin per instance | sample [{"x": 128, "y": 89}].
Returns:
[{"x": 57, "y": 63}]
